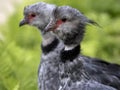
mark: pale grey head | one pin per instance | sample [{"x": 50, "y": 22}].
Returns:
[
  {"x": 37, "y": 14},
  {"x": 68, "y": 24}
]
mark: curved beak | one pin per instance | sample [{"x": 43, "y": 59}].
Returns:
[
  {"x": 23, "y": 22},
  {"x": 51, "y": 26}
]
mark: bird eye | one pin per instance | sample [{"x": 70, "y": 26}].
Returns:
[
  {"x": 33, "y": 15},
  {"x": 64, "y": 19}
]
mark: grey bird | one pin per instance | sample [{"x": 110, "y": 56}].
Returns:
[
  {"x": 78, "y": 72},
  {"x": 38, "y": 15}
]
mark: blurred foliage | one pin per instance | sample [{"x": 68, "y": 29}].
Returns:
[{"x": 20, "y": 47}]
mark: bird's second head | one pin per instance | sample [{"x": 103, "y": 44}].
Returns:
[
  {"x": 37, "y": 15},
  {"x": 68, "y": 24}
]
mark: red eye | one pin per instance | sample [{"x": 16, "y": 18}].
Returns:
[
  {"x": 32, "y": 15},
  {"x": 64, "y": 19},
  {"x": 61, "y": 21}
]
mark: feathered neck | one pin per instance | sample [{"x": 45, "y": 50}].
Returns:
[
  {"x": 50, "y": 47},
  {"x": 70, "y": 54},
  {"x": 49, "y": 42}
]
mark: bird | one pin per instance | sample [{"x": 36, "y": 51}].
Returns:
[
  {"x": 77, "y": 70},
  {"x": 38, "y": 15}
]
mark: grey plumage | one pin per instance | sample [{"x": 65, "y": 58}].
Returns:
[
  {"x": 72, "y": 16},
  {"x": 69, "y": 24},
  {"x": 88, "y": 85},
  {"x": 38, "y": 15},
  {"x": 53, "y": 73},
  {"x": 81, "y": 70},
  {"x": 48, "y": 70}
]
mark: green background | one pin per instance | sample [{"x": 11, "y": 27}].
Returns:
[{"x": 20, "y": 47}]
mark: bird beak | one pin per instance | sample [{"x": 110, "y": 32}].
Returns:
[
  {"x": 23, "y": 22},
  {"x": 51, "y": 26}
]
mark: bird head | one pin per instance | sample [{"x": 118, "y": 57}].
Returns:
[
  {"x": 68, "y": 24},
  {"x": 37, "y": 15}
]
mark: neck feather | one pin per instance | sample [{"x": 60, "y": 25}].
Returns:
[
  {"x": 71, "y": 54},
  {"x": 49, "y": 42},
  {"x": 69, "y": 47}
]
